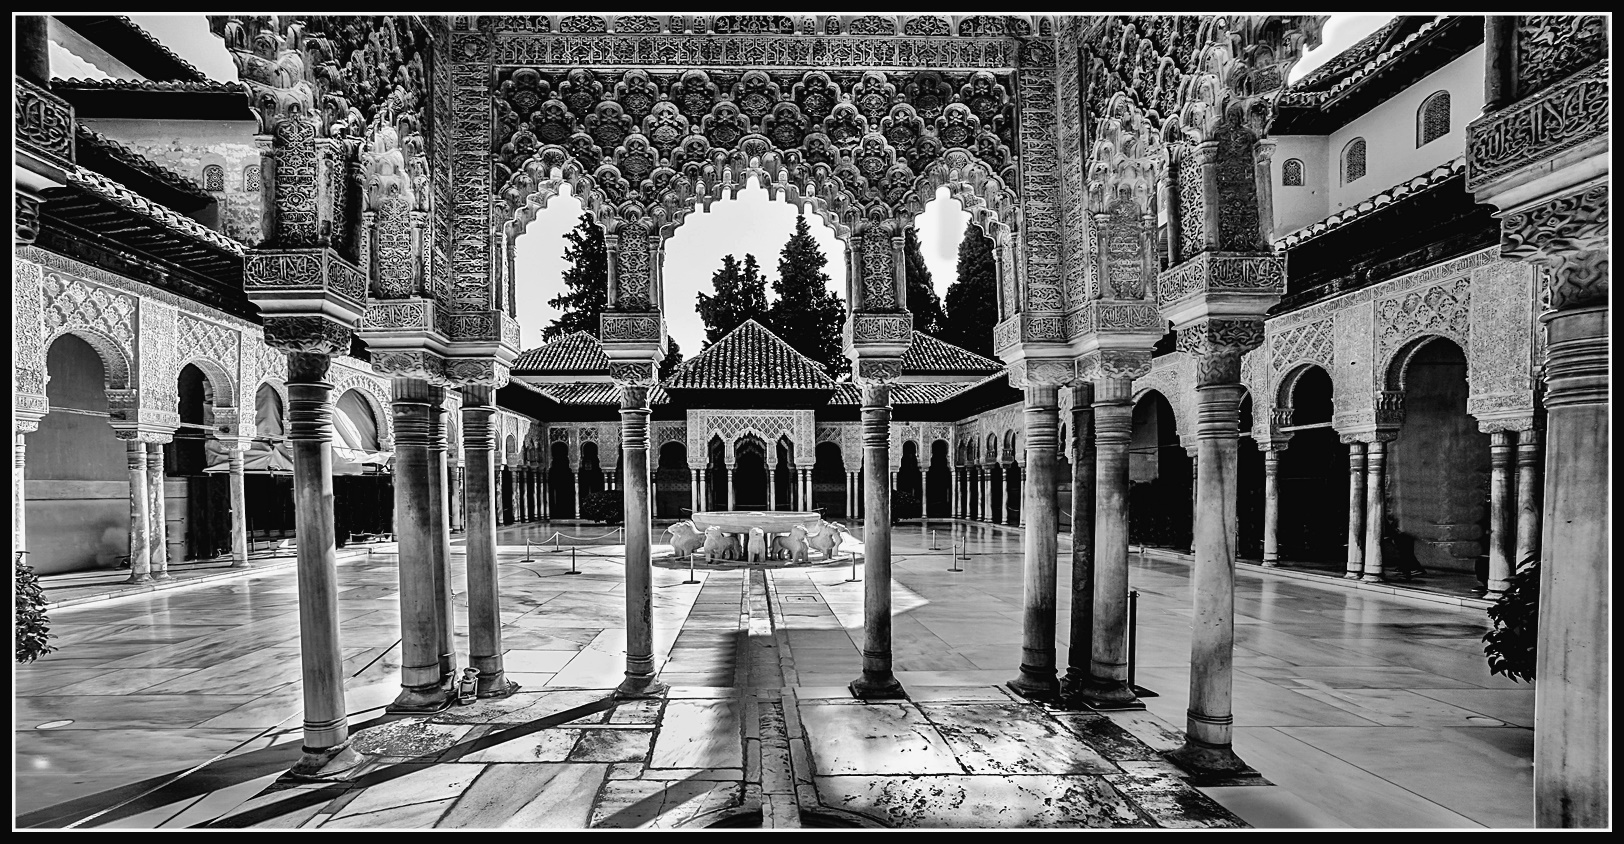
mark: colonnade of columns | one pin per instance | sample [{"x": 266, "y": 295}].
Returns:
[{"x": 800, "y": 488}]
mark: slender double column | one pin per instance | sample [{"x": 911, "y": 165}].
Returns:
[
  {"x": 924, "y": 489},
  {"x": 1502, "y": 519},
  {"x": 310, "y": 435},
  {"x": 1040, "y": 546},
  {"x": 135, "y": 452},
  {"x": 772, "y": 488},
  {"x": 986, "y": 494},
  {"x": 641, "y": 680},
  {"x": 806, "y": 484},
  {"x": 440, "y": 538},
  {"x": 484, "y": 599},
  {"x": 158, "y": 533},
  {"x": 1375, "y": 506},
  {"x": 1209, "y": 727},
  {"x": 454, "y": 500},
  {"x": 1529, "y": 456},
  {"x": 1079, "y": 653},
  {"x": 575, "y": 487},
  {"x": 1271, "y": 505},
  {"x": 732, "y": 497},
  {"x": 421, "y": 669},
  {"x": 877, "y": 681},
  {"x": 239, "y": 509},
  {"x": 1113, "y": 431},
  {"x": 1356, "y": 511}
]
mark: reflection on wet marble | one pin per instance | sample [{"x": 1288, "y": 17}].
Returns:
[
  {"x": 982, "y": 802},
  {"x": 1012, "y": 739},
  {"x": 541, "y": 796},
  {"x": 875, "y": 738}
]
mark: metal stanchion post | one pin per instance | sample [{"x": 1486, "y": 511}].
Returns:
[
  {"x": 955, "y": 566},
  {"x": 933, "y": 540},
  {"x": 527, "y": 557},
  {"x": 853, "y": 578},
  {"x": 691, "y": 579},
  {"x": 572, "y": 570}
]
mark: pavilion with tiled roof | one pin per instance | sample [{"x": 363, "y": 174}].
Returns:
[{"x": 749, "y": 358}]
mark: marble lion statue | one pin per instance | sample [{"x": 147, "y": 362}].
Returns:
[
  {"x": 719, "y": 545},
  {"x": 826, "y": 538},
  {"x": 791, "y": 546},
  {"x": 756, "y": 546},
  {"x": 685, "y": 538}
]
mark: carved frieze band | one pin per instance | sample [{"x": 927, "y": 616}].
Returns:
[
  {"x": 1106, "y": 317},
  {"x": 747, "y": 51},
  {"x": 304, "y": 270},
  {"x": 44, "y": 122},
  {"x": 1216, "y": 272},
  {"x": 881, "y": 328},
  {"x": 639, "y": 327},
  {"x": 1558, "y": 118}
]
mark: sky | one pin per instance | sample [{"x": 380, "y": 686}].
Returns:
[{"x": 749, "y": 224}]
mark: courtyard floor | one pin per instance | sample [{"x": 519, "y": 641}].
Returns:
[{"x": 181, "y": 708}]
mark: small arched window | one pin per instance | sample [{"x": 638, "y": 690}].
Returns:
[
  {"x": 214, "y": 177},
  {"x": 1353, "y": 161},
  {"x": 1432, "y": 121},
  {"x": 1291, "y": 173},
  {"x": 250, "y": 178}
]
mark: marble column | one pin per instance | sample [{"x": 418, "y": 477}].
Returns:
[
  {"x": 851, "y": 506},
  {"x": 440, "y": 539},
  {"x": 877, "y": 681},
  {"x": 1209, "y": 725},
  {"x": 731, "y": 493},
  {"x": 1502, "y": 519},
  {"x": 1573, "y": 715},
  {"x": 1528, "y": 496},
  {"x": 455, "y": 501},
  {"x": 704, "y": 489},
  {"x": 575, "y": 486},
  {"x": 953, "y": 493},
  {"x": 1019, "y": 519},
  {"x": 140, "y": 508},
  {"x": 924, "y": 505},
  {"x": 986, "y": 493},
  {"x": 772, "y": 488},
  {"x": 640, "y": 681},
  {"x": 158, "y": 532},
  {"x": 693, "y": 490},
  {"x": 1195, "y": 492},
  {"x": 806, "y": 483},
  {"x": 1040, "y": 546},
  {"x": 1356, "y": 511},
  {"x": 1113, "y": 430},
  {"x": 1271, "y": 506},
  {"x": 310, "y": 434},
  {"x": 239, "y": 510},
  {"x": 1375, "y": 509},
  {"x": 421, "y": 666},
  {"x": 1080, "y": 643},
  {"x": 19, "y": 500},
  {"x": 484, "y": 596}
]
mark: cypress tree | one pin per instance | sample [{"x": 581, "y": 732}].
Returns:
[
  {"x": 806, "y": 315},
  {"x": 586, "y": 282},
  {"x": 972, "y": 301},
  {"x": 741, "y": 294},
  {"x": 923, "y": 302}
]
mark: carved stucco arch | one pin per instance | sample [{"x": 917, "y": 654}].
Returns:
[
  {"x": 1183, "y": 428},
  {"x": 1285, "y": 399},
  {"x": 378, "y": 401},
  {"x": 1396, "y": 368},
  {"x": 116, "y": 364},
  {"x": 221, "y": 383}
]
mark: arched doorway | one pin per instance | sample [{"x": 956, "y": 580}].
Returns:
[
  {"x": 202, "y": 528},
  {"x": 1438, "y": 468},
  {"x": 750, "y": 474},
  {"x": 829, "y": 481},
  {"x": 1313, "y": 475},
  {"x": 561, "y": 483},
  {"x": 906, "y": 501},
  {"x": 1160, "y": 488},
  {"x": 939, "y": 482},
  {"x": 716, "y": 475},
  {"x": 671, "y": 479},
  {"x": 1248, "y": 488},
  {"x": 74, "y": 448}
]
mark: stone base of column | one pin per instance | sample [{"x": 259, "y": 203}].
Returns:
[
  {"x": 1199, "y": 758},
  {"x": 420, "y": 701},
  {"x": 1270, "y": 564},
  {"x": 1109, "y": 695},
  {"x": 1367, "y": 578},
  {"x": 327, "y": 764},
  {"x": 163, "y": 576},
  {"x": 874, "y": 687},
  {"x": 241, "y": 564},
  {"x": 140, "y": 578},
  {"x": 640, "y": 686},
  {"x": 497, "y": 686},
  {"x": 1034, "y": 685}
]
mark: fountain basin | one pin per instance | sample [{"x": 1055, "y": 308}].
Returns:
[{"x": 741, "y": 521}]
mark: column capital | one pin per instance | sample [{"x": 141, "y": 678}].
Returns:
[
  {"x": 1113, "y": 364},
  {"x": 1217, "y": 344},
  {"x": 309, "y": 334},
  {"x": 1567, "y": 235}
]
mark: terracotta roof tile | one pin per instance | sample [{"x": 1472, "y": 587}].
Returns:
[
  {"x": 99, "y": 185},
  {"x": 749, "y": 357},
  {"x": 579, "y": 352},
  {"x": 202, "y": 86},
  {"x": 846, "y": 393},
  {"x": 594, "y": 394},
  {"x": 928, "y": 354}
]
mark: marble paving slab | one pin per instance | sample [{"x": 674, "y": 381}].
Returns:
[
  {"x": 539, "y": 796},
  {"x": 699, "y": 734},
  {"x": 416, "y": 799},
  {"x": 1012, "y": 738},
  {"x": 981, "y": 802},
  {"x": 874, "y": 738}
]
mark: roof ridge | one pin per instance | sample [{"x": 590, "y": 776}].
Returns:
[{"x": 736, "y": 339}]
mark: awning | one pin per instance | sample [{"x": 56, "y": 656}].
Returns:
[{"x": 355, "y": 444}]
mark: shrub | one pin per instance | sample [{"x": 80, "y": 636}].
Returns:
[
  {"x": 608, "y": 507},
  {"x": 32, "y": 625},
  {"x": 1512, "y": 644}
]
